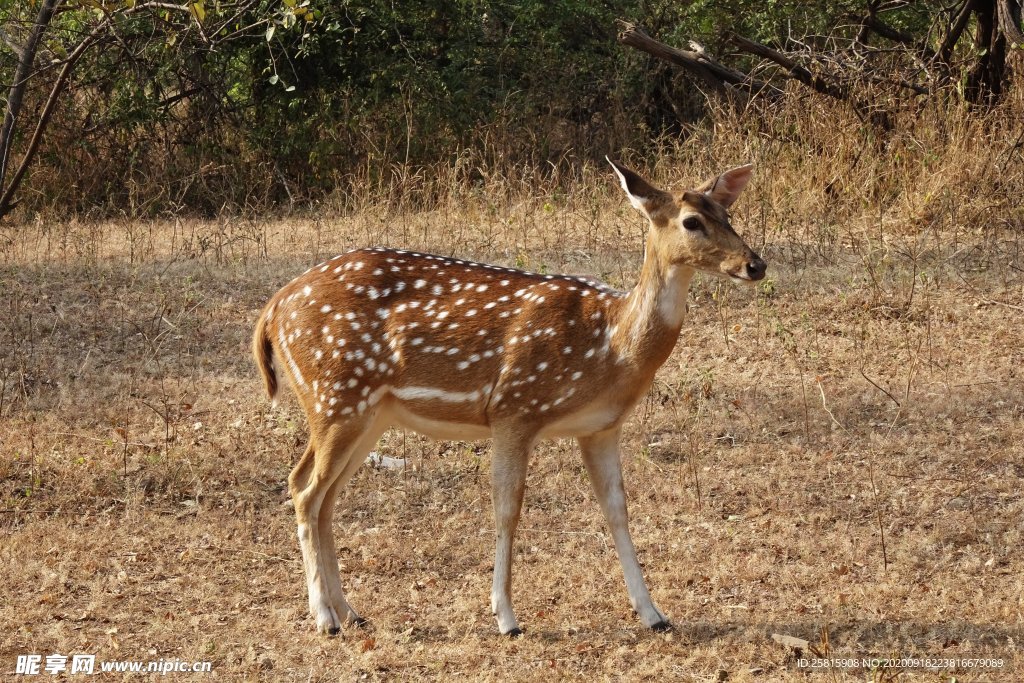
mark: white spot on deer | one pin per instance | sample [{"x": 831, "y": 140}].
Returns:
[
  {"x": 420, "y": 284},
  {"x": 576, "y": 375},
  {"x": 432, "y": 394},
  {"x": 471, "y": 312}
]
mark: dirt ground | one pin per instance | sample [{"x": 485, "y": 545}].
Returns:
[{"x": 834, "y": 456}]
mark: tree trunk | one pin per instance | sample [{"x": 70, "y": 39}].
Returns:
[
  {"x": 23, "y": 72},
  {"x": 986, "y": 78}
]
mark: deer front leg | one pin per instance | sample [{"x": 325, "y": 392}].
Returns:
[
  {"x": 508, "y": 482},
  {"x": 601, "y": 457}
]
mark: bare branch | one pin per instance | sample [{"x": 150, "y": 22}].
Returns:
[{"x": 945, "y": 50}]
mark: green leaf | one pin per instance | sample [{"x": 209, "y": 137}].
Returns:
[
  {"x": 270, "y": 32},
  {"x": 274, "y": 79}
]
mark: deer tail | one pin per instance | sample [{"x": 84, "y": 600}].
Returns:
[{"x": 263, "y": 352}]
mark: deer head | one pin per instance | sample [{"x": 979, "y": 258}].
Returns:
[{"x": 692, "y": 228}]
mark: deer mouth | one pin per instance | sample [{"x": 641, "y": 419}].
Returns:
[
  {"x": 740, "y": 276},
  {"x": 748, "y": 272}
]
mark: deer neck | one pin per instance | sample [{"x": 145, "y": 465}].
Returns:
[{"x": 652, "y": 314}]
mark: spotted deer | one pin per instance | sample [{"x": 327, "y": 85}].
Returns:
[{"x": 453, "y": 349}]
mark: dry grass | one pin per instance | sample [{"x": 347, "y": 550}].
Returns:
[{"x": 871, "y": 386}]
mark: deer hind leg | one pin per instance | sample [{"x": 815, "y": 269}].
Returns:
[
  {"x": 601, "y": 457},
  {"x": 508, "y": 482},
  {"x": 326, "y": 459},
  {"x": 355, "y": 459}
]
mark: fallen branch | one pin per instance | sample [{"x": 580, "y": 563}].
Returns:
[
  {"x": 720, "y": 78},
  {"x": 794, "y": 70}
]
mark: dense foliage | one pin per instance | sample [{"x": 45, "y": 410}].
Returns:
[{"x": 247, "y": 104}]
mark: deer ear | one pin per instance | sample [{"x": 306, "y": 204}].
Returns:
[
  {"x": 725, "y": 188},
  {"x": 642, "y": 195}
]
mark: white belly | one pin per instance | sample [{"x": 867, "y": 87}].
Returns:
[
  {"x": 442, "y": 430},
  {"x": 591, "y": 419}
]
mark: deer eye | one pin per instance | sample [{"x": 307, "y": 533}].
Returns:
[{"x": 692, "y": 223}]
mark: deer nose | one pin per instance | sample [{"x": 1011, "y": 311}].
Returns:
[{"x": 756, "y": 268}]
